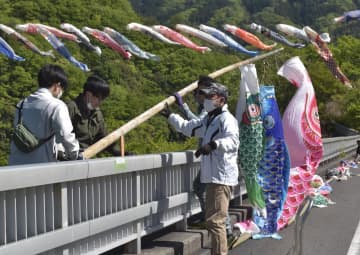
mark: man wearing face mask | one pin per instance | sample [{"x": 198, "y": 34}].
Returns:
[
  {"x": 199, "y": 188},
  {"x": 203, "y": 82},
  {"x": 86, "y": 116},
  {"x": 46, "y": 117},
  {"x": 219, "y": 170}
]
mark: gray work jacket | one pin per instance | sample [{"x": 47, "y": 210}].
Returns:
[{"x": 220, "y": 166}]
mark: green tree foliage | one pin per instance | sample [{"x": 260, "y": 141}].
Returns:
[{"x": 136, "y": 84}]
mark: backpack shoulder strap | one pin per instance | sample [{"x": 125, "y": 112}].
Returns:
[
  {"x": 20, "y": 111},
  {"x": 44, "y": 140}
]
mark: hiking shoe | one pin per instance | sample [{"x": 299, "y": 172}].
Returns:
[{"x": 231, "y": 239}]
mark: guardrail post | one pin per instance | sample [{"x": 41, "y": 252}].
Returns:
[
  {"x": 64, "y": 205},
  {"x": 64, "y": 211},
  {"x": 183, "y": 224},
  {"x": 135, "y": 245}
]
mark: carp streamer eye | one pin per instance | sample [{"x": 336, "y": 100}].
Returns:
[
  {"x": 254, "y": 110},
  {"x": 269, "y": 122}
]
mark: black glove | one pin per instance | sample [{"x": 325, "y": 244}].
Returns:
[
  {"x": 61, "y": 156},
  {"x": 166, "y": 111},
  {"x": 206, "y": 149},
  {"x": 178, "y": 98}
]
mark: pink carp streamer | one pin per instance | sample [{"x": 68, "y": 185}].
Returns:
[
  {"x": 303, "y": 137},
  {"x": 107, "y": 40},
  {"x": 33, "y": 29}
]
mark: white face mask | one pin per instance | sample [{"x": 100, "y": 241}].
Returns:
[
  {"x": 89, "y": 106},
  {"x": 209, "y": 105},
  {"x": 60, "y": 94},
  {"x": 88, "y": 103}
]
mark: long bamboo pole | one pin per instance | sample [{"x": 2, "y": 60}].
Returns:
[{"x": 115, "y": 135}]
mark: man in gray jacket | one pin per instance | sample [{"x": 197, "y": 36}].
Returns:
[
  {"x": 46, "y": 117},
  {"x": 219, "y": 149},
  {"x": 199, "y": 188}
]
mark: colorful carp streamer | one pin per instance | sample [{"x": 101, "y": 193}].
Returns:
[
  {"x": 129, "y": 45},
  {"x": 248, "y": 37},
  {"x": 25, "y": 41},
  {"x": 149, "y": 31},
  {"x": 274, "y": 167},
  {"x": 232, "y": 44},
  {"x": 32, "y": 28},
  {"x": 248, "y": 115},
  {"x": 107, "y": 40},
  {"x": 6, "y": 50},
  {"x": 200, "y": 34},
  {"x": 275, "y": 36},
  {"x": 327, "y": 56},
  {"x": 348, "y": 16},
  {"x": 177, "y": 37},
  {"x": 60, "y": 47},
  {"x": 82, "y": 37},
  {"x": 302, "y": 135}
]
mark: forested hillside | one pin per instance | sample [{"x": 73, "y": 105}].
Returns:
[{"x": 138, "y": 84}]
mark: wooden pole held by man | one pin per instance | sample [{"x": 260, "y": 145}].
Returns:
[{"x": 116, "y": 134}]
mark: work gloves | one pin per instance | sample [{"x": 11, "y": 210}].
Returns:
[
  {"x": 166, "y": 111},
  {"x": 62, "y": 156},
  {"x": 206, "y": 149},
  {"x": 178, "y": 98}
]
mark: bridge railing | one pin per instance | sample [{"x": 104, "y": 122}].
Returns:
[
  {"x": 95, "y": 205},
  {"x": 338, "y": 146}
]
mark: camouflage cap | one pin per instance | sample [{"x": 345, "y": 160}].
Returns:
[{"x": 216, "y": 89}]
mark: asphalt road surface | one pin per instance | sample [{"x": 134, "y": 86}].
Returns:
[{"x": 327, "y": 231}]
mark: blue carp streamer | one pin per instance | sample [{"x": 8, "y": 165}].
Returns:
[{"x": 274, "y": 168}]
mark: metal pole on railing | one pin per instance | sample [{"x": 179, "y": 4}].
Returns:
[
  {"x": 113, "y": 136},
  {"x": 301, "y": 216},
  {"x": 122, "y": 146}
]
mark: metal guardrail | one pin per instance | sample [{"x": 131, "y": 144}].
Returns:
[
  {"x": 337, "y": 146},
  {"x": 95, "y": 205}
]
